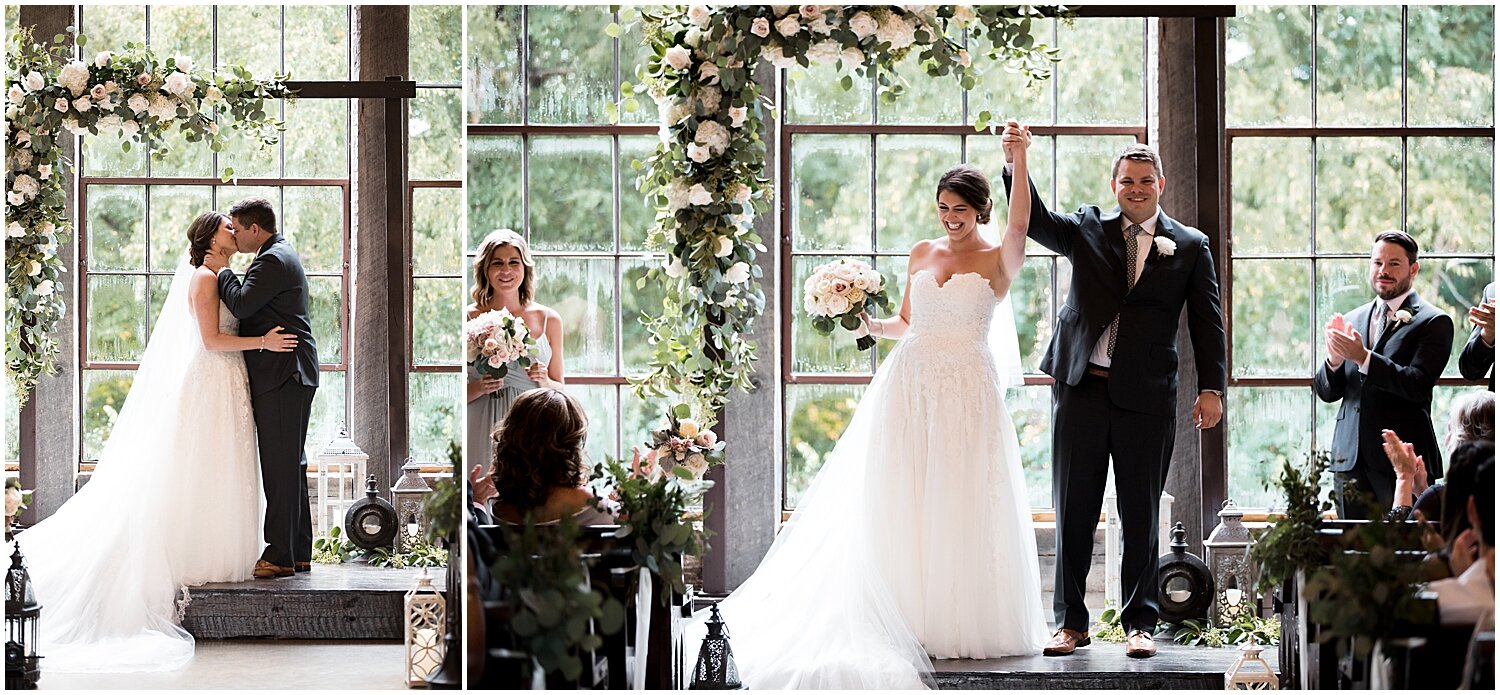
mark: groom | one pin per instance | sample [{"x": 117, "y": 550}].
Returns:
[
  {"x": 1114, "y": 359},
  {"x": 274, "y": 292}
]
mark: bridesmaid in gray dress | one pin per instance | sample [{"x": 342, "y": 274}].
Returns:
[{"x": 505, "y": 278}]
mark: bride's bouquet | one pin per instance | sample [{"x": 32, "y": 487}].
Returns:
[
  {"x": 496, "y": 340},
  {"x": 838, "y": 291}
]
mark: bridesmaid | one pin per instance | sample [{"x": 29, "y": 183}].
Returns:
[{"x": 505, "y": 278}]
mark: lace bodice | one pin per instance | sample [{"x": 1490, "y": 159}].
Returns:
[
  {"x": 228, "y": 324},
  {"x": 959, "y": 311}
]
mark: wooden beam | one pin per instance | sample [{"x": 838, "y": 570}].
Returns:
[{"x": 354, "y": 89}]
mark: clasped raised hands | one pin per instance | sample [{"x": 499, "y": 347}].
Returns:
[{"x": 1015, "y": 136}]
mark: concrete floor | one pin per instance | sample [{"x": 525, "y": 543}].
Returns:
[{"x": 260, "y": 665}]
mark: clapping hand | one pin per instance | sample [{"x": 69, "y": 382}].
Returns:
[
  {"x": 1343, "y": 342},
  {"x": 1404, "y": 459},
  {"x": 538, "y": 373},
  {"x": 482, "y": 485},
  {"x": 1483, "y": 316}
]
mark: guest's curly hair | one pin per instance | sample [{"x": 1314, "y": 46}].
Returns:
[
  {"x": 200, "y": 235},
  {"x": 1473, "y": 418},
  {"x": 539, "y": 447}
]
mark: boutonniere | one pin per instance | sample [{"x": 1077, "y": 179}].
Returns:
[
  {"x": 1403, "y": 316},
  {"x": 1165, "y": 246}
]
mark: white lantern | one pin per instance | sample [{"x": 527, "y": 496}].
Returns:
[
  {"x": 1250, "y": 672},
  {"x": 425, "y": 614},
  {"x": 341, "y": 469},
  {"x": 407, "y": 496}
]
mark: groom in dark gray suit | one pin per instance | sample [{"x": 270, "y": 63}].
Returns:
[
  {"x": 274, "y": 292},
  {"x": 1114, "y": 358}
]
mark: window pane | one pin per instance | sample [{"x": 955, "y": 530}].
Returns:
[
  {"x": 183, "y": 158},
  {"x": 815, "y": 95},
  {"x": 329, "y": 412},
  {"x": 1343, "y": 286},
  {"x": 248, "y": 156},
  {"x": 894, "y": 269},
  {"x": 1357, "y": 181},
  {"x": 1101, "y": 52},
  {"x": 1268, "y": 67},
  {"x": 1031, "y": 411},
  {"x": 435, "y": 307},
  {"x": 317, "y": 138},
  {"x": 635, "y": 54},
  {"x": 173, "y": 208},
  {"x": 1272, "y": 195},
  {"x": 571, "y": 79},
  {"x": 327, "y": 310},
  {"x": 812, "y": 351},
  {"x": 816, "y": 415},
  {"x": 1454, "y": 285},
  {"x": 182, "y": 30},
  {"x": 117, "y": 320},
  {"x": 907, "y": 169},
  {"x": 494, "y": 74},
  {"x": 250, "y": 35},
  {"x": 927, "y": 99},
  {"x": 494, "y": 187},
  {"x": 1450, "y": 194},
  {"x": 435, "y": 130},
  {"x": 103, "y": 395},
  {"x": 636, "y": 217},
  {"x": 1004, "y": 93},
  {"x": 1265, "y": 426},
  {"x": 322, "y": 42},
  {"x": 157, "y": 288},
  {"x": 433, "y": 414},
  {"x": 313, "y": 222},
  {"x": 117, "y": 235},
  {"x": 1031, "y": 299},
  {"x": 1359, "y": 65},
  {"x": 984, "y": 152},
  {"x": 831, "y": 184},
  {"x": 226, "y": 196},
  {"x": 1083, "y": 170},
  {"x": 436, "y": 220},
  {"x": 103, "y": 155},
  {"x": 1273, "y": 335},
  {"x": 600, "y": 405},
  {"x": 1451, "y": 65},
  {"x": 437, "y": 53},
  {"x": 637, "y": 352},
  {"x": 638, "y": 418},
  {"x": 111, "y": 25},
  {"x": 582, "y": 291},
  {"x": 572, "y": 194}
]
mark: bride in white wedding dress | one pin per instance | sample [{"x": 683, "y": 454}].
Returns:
[
  {"x": 174, "y": 500},
  {"x": 915, "y": 537}
]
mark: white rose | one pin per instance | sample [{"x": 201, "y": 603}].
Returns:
[
  {"x": 33, "y": 268},
  {"x": 699, "y": 15},
  {"x": 13, "y": 500},
  {"x": 739, "y": 193},
  {"x": 674, "y": 267},
  {"x": 34, "y": 81},
  {"x": 687, "y": 427},
  {"x": 819, "y": 25},
  {"x": 710, "y": 97},
  {"x": 896, "y": 31},
  {"x": 82, "y": 104},
  {"x": 698, "y": 153},
  {"x": 696, "y": 464},
  {"x": 788, "y": 26},
  {"x": 679, "y": 57},
  {"x": 737, "y": 116},
  {"x": 699, "y": 196},
  {"x": 761, "y": 27},
  {"x": 44, "y": 171},
  {"x": 15, "y": 94},
  {"x": 44, "y": 288},
  {"x": 212, "y": 95},
  {"x": 810, "y": 12},
  {"x": 111, "y": 87},
  {"x": 725, "y": 247},
  {"x": 184, "y": 63},
  {"x": 1165, "y": 246},
  {"x": 964, "y": 14},
  {"x": 824, "y": 52},
  {"x": 143, "y": 79},
  {"x": 12, "y": 112},
  {"x": 856, "y": 296},
  {"x": 138, "y": 103},
  {"x": 129, "y": 128},
  {"x": 14, "y": 198},
  {"x": 98, "y": 92},
  {"x": 74, "y": 76},
  {"x": 71, "y": 125},
  {"x": 179, "y": 83},
  {"x": 837, "y": 304},
  {"x": 779, "y": 56},
  {"x": 102, "y": 59},
  {"x": 863, "y": 25},
  {"x": 853, "y": 58},
  {"x": 737, "y": 273},
  {"x": 14, "y": 229},
  {"x": 708, "y": 73},
  {"x": 61, "y": 104}
]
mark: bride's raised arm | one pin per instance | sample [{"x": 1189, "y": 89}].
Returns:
[
  {"x": 1018, "y": 219},
  {"x": 204, "y": 292}
]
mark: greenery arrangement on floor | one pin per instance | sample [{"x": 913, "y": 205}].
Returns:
[
  {"x": 335, "y": 549},
  {"x": 1196, "y": 633}
]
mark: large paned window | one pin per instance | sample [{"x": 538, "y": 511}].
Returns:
[
  {"x": 135, "y": 210},
  {"x": 860, "y": 176},
  {"x": 436, "y": 208},
  {"x": 1344, "y": 121},
  {"x": 546, "y": 160}
]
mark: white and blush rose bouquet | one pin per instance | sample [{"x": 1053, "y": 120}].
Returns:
[
  {"x": 684, "y": 449},
  {"x": 496, "y": 340},
  {"x": 837, "y": 292}
]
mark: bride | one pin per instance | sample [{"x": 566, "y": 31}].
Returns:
[
  {"x": 174, "y": 500},
  {"x": 915, "y": 538}
]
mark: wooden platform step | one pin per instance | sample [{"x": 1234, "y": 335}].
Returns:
[
  {"x": 349, "y": 601},
  {"x": 1100, "y": 666}
]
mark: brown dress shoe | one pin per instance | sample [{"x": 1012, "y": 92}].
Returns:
[
  {"x": 1139, "y": 645},
  {"x": 304, "y": 567},
  {"x": 1065, "y": 641},
  {"x": 266, "y": 570}
]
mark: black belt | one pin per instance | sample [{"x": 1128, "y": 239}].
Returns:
[{"x": 1096, "y": 370}]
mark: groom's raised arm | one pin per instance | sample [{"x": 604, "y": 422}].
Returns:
[{"x": 265, "y": 278}]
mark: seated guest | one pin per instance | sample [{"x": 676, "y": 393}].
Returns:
[
  {"x": 1478, "y": 356},
  {"x": 1389, "y": 384},
  {"x": 1470, "y": 596},
  {"x": 539, "y": 462},
  {"x": 1472, "y": 419}
]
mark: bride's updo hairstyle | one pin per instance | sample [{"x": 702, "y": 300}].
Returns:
[
  {"x": 970, "y": 184},
  {"x": 539, "y": 447},
  {"x": 200, "y": 235}
]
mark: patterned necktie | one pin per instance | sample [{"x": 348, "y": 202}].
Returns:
[
  {"x": 1132, "y": 252},
  {"x": 1383, "y": 323}
]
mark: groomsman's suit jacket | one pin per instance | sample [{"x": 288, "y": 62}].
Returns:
[
  {"x": 1396, "y": 394},
  {"x": 1143, "y": 376},
  {"x": 1478, "y": 359},
  {"x": 274, "y": 292}
]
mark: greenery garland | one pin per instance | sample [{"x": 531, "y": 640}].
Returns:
[
  {"x": 707, "y": 177},
  {"x": 50, "y": 96}
]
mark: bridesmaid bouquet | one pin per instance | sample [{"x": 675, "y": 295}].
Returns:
[
  {"x": 496, "y": 340},
  {"x": 838, "y": 291},
  {"x": 684, "y": 449}
]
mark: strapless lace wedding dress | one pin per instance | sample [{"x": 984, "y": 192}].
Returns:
[
  {"x": 174, "y": 501},
  {"x": 915, "y": 538}
]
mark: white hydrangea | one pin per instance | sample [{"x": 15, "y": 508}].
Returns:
[
  {"x": 863, "y": 25},
  {"x": 679, "y": 57},
  {"x": 75, "y": 77},
  {"x": 129, "y": 128},
  {"x": 677, "y": 195},
  {"x": 673, "y": 112},
  {"x": 897, "y": 31},
  {"x": 853, "y": 58},
  {"x": 71, "y": 125},
  {"x": 109, "y": 124},
  {"x": 714, "y": 135},
  {"x": 819, "y": 24},
  {"x": 824, "y": 52},
  {"x": 26, "y": 186},
  {"x": 709, "y": 97},
  {"x": 21, "y": 160},
  {"x": 162, "y": 107}
]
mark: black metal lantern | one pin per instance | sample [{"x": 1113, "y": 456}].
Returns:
[
  {"x": 371, "y": 522},
  {"x": 1232, "y": 603},
  {"x": 22, "y": 614},
  {"x": 1183, "y": 582},
  {"x": 716, "y": 669},
  {"x": 1228, "y": 550}
]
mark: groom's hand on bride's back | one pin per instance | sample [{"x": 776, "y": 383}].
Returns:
[{"x": 278, "y": 340}]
